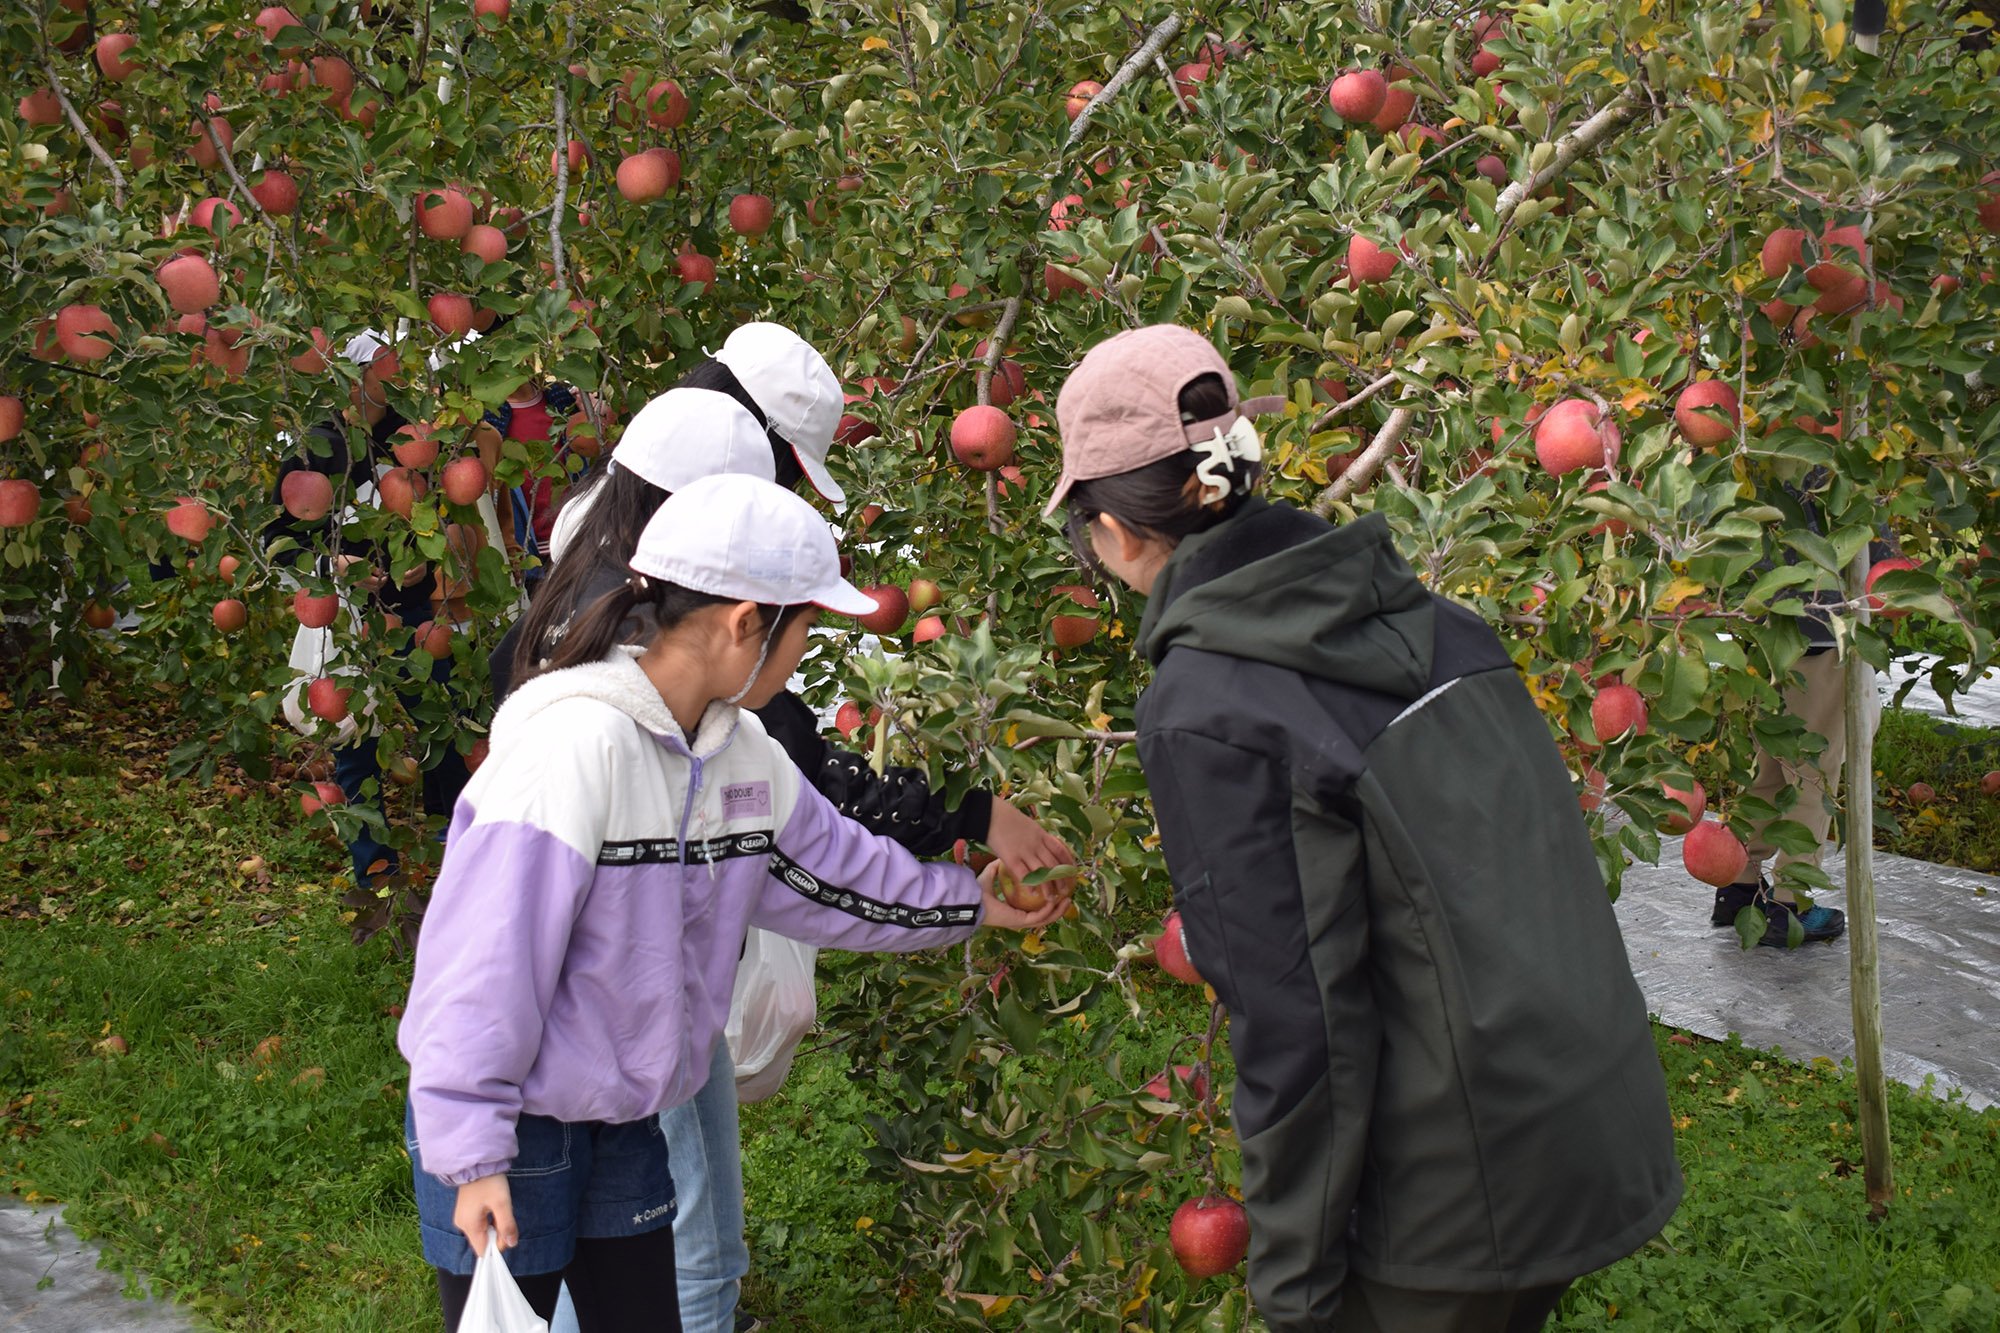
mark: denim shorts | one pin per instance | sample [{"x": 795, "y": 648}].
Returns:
[{"x": 570, "y": 1180}]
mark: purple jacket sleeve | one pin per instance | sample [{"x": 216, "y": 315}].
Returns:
[
  {"x": 835, "y": 884},
  {"x": 491, "y": 951}
]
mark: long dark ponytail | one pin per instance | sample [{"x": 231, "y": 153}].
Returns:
[
  {"x": 621, "y": 503},
  {"x": 596, "y": 628}
]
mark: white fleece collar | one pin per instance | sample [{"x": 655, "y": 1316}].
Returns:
[{"x": 618, "y": 680}]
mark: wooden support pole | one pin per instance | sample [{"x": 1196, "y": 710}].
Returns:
[{"x": 1863, "y": 952}]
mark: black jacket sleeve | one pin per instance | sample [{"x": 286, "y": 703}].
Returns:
[
  {"x": 500, "y": 665},
  {"x": 1288, "y": 957},
  {"x": 899, "y": 804}
]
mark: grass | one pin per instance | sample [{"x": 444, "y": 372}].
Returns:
[
  {"x": 270, "y": 1191},
  {"x": 1961, "y": 826}
]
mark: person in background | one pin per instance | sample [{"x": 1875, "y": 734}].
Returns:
[
  {"x": 631, "y": 823},
  {"x": 330, "y": 447},
  {"x": 788, "y": 400},
  {"x": 1447, "y": 1094}
]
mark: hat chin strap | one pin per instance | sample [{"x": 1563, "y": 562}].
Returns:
[
  {"x": 1240, "y": 441},
  {"x": 762, "y": 653}
]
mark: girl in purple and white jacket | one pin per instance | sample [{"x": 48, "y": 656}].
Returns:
[{"x": 576, "y": 963}]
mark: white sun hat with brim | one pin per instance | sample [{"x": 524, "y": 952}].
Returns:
[
  {"x": 687, "y": 434},
  {"x": 747, "y": 538},
  {"x": 797, "y": 391}
]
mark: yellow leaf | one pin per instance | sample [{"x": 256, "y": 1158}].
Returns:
[
  {"x": 1013, "y": 734},
  {"x": 1101, "y": 722},
  {"x": 1636, "y": 396},
  {"x": 1761, "y": 128},
  {"x": 874, "y": 44},
  {"x": 1679, "y": 591},
  {"x": 1834, "y": 39},
  {"x": 863, "y": 1223},
  {"x": 1031, "y": 943}
]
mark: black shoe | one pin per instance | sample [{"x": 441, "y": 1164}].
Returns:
[
  {"x": 1817, "y": 925},
  {"x": 1730, "y": 901}
]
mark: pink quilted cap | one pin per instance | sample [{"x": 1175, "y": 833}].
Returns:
[{"x": 1120, "y": 408}]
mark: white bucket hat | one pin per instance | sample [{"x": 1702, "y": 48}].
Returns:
[
  {"x": 748, "y": 538},
  {"x": 797, "y": 391},
  {"x": 686, "y": 434}
]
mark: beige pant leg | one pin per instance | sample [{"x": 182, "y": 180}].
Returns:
[{"x": 1819, "y": 701}]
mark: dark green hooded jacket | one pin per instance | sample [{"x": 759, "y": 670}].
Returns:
[{"x": 1445, "y": 1079}]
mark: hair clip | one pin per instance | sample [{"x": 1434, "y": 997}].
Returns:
[{"x": 1240, "y": 441}]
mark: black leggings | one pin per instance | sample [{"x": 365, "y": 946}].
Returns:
[{"x": 621, "y": 1284}]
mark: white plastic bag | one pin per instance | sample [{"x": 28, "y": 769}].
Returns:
[
  {"x": 770, "y": 1012},
  {"x": 496, "y": 1305}
]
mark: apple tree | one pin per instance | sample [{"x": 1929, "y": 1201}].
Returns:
[{"x": 1637, "y": 321}]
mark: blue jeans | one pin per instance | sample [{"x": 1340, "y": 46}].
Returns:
[
  {"x": 569, "y": 1181},
  {"x": 707, "y": 1161}
]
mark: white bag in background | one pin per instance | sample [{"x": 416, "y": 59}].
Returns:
[
  {"x": 770, "y": 1012},
  {"x": 496, "y": 1305}
]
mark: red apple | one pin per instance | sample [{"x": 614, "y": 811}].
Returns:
[
  {"x": 1210, "y": 1235},
  {"x": 1695, "y": 801},
  {"x": 276, "y": 192},
  {"x": 646, "y": 176},
  {"x": 20, "y": 501},
  {"x": 306, "y": 495},
  {"x": 111, "y": 62},
  {"x": 1357, "y": 96},
  {"x": 206, "y": 135},
  {"x": 666, "y": 105},
  {"x": 230, "y": 615},
  {"x": 1838, "y": 247},
  {"x": 40, "y": 108},
  {"x": 577, "y": 155},
  {"x": 1569, "y": 436},
  {"x": 491, "y": 13},
  {"x": 444, "y": 214},
  {"x": 77, "y": 327},
  {"x": 327, "y": 700},
  {"x": 892, "y": 608},
  {"x": 1073, "y": 631},
  {"x": 1990, "y": 784},
  {"x": 99, "y": 616},
  {"x": 464, "y": 480},
  {"x": 1713, "y": 855},
  {"x": 1162, "y": 1088},
  {"x": 434, "y": 637},
  {"x": 1783, "y": 249},
  {"x": 750, "y": 214},
  {"x": 1988, "y": 207},
  {"x": 1616, "y": 710},
  {"x": 190, "y": 284},
  {"x": 926, "y": 629},
  {"x": 982, "y": 438},
  {"x": 451, "y": 313},
  {"x": 312, "y": 361},
  {"x": 400, "y": 489},
  {"x": 1058, "y": 283},
  {"x": 1188, "y": 80},
  {"x": 847, "y": 719},
  {"x": 1170, "y": 951},
  {"x": 1079, "y": 97},
  {"x": 924, "y": 594},
  {"x": 13, "y": 415},
  {"x": 695, "y": 268},
  {"x": 489, "y": 243},
  {"x": 1369, "y": 262},
  {"x": 321, "y": 796},
  {"x": 1707, "y": 413},
  {"x": 1397, "y": 103},
  {"x": 1875, "y": 604},
  {"x": 190, "y": 519},
  {"x": 315, "y": 612},
  {"x": 1921, "y": 793}
]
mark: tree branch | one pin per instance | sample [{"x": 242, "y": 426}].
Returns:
[
  {"x": 562, "y": 158},
  {"x": 236, "y": 179},
  {"x": 1346, "y": 405},
  {"x": 1156, "y": 42},
  {"x": 89, "y": 139},
  {"x": 1362, "y": 470},
  {"x": 996, "y": 347}
]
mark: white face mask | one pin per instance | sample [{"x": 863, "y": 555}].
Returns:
[{"x": 762, "y": 653}]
